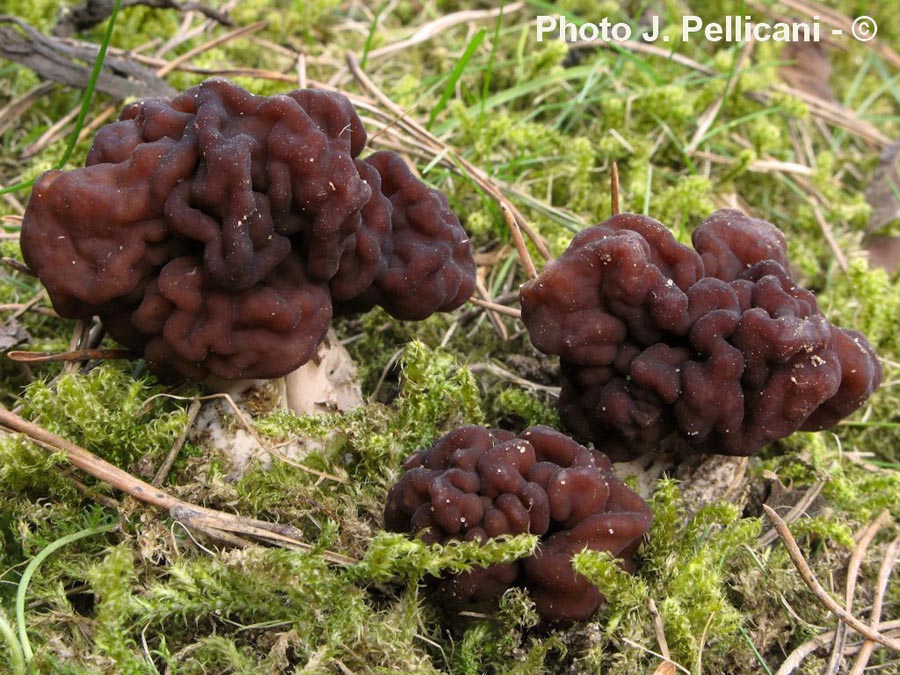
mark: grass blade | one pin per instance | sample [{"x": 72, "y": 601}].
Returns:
[
  {"x": 33, "y": 567},
  {"x": 86, "y": 99},
  {"x": 455, "y": 75}
]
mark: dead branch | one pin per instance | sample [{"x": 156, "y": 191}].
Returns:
[
  {"x": 69, "y": 62},
  {"x": 74, "y": 355},
  {"x": 819, "y": 591},
  {"x": 91, "y": 12},
  {"x": 884, "y": 573},
  {"x": 228, "y": 527}
]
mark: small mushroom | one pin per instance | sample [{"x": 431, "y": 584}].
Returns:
[
  {"x": 477, "y": 483},
  {"x": 219, "y": 231},
  {"x": 715, "y": 343}
]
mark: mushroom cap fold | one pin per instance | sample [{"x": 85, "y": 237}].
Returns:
[
  {"x": 716, "y": 343},
  {"x": 478, "y": 483},
  {"x": 219, "y": 231}
]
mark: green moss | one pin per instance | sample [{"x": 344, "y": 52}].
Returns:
[
  {"x": 108, "y": 412},
  {"x": 546, "y": 124}
]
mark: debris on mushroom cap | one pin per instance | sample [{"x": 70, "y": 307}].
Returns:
[
  {"x": 477, "y": 483},
  {"x": 217, "y": 232},
  {"x": 716, "y": 343}
]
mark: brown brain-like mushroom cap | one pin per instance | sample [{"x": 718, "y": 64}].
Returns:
[
  {"x": 716, "y": 343},
  {"x": 477, "y": 483},
  {"x": 217, "y": 232}
]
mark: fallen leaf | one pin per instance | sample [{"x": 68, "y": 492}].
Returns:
[
  {"x": 884, "y": 251},
  {"x": 883, "y": 192},
  {"x": 808, "y": 69},
  {"x": 12, "y": 334},
  {"x": 665, "y": 668}
]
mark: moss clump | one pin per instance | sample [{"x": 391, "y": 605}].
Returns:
[
  {"x": 108, "y": 411},
  {"x": 687, "y": 568},
  {"x": 545, "y": 121}
]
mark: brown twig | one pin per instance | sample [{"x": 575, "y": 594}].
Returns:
[
  {"x": 453, "y": 160},
  {"x": 813, "y": 584},
  {"x": 856, "y": 559},
  {"x": 795, "y": 658},
  {"x": 497, "y": 307},
  {"x": 884, "y": 573},
  {"x": 222, "y": 525},
  {"x": 74, "y": 355},
  {"x": 166, "y": 466},
  {"x": 614, "y": 189},
  {"x": 18, "y": 266},
  {"x": 796, "y": 511}
]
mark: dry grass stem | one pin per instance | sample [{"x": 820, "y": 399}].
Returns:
[
  {"x": 838, "y": 20},
  {"x": 708, "y": 117},
  {"x": 503, "y": 373},
  {"x": 795, "y": 512},
  {"x": 446, "y": 22},
  {"x": 251, "y": 430},
  {"x": 834, "y": 114},
  {"x": 884, "y": 574},
  {"x": 492, "y": 313},
  {"x": 70, "y": 356},
  {"x": 450, "y": 158},
  {"x": 658, "y": 628},
  {"x": 615, "y": 207},
  {"x": 163, "y": 471},
  {"x": 856, "y": 560},
  {"x": 828, "y": 233},
  {"x": 796, "y": 657},
  {"x": 819, "y": 591}
]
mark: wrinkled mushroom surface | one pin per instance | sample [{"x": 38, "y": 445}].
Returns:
[
  {"x": 715, "y": 342},
  {"x": 217, "y": 232},
  {"x": 477, "y": 483}
]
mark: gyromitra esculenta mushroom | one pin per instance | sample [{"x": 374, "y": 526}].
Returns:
[
  {"x": 716, "y": 343},
  {"x": 219, "y": 231},
  {"x": 477, "y": 483}
]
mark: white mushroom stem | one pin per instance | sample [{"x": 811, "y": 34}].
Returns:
[{"x": 327, "y": 383}]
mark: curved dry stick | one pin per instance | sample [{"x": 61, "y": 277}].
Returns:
[
  {"x": 856, "y": 560},
  {"x": 74, "y": 355},
  {"x": 819, "y": 591},
  {"x": 514, "y": 218},
  {"x": 884, "y": 573},
  {"x": 446, "y": 22},
  {"x": 224, "y": 526},
  {"x": 795, "y": 658}
]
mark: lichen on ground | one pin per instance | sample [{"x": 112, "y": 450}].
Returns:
[{"x": 128, "y": 590}]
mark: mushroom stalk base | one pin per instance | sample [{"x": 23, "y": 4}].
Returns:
[{"x": 327, "y": 383}]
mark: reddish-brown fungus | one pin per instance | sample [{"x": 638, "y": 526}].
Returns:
[
  {"x": 477, "y": 483},
  {"x": 716, "y": 343},
  {"x": 217, "y": 232}
]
